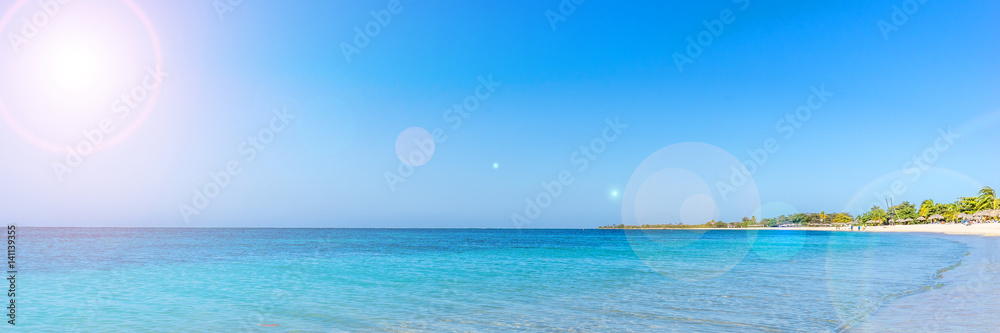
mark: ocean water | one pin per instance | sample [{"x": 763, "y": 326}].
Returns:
[{"x": 434, "y": 280}]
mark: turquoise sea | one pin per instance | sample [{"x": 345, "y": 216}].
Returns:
[{"x": 473, "y": 280}]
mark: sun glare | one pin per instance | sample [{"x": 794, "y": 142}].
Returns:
[
  {"x": 75, "y": 64},
  {"x": 68, "y": 75}
]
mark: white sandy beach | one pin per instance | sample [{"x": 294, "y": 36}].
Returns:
[{"x": 982, "y": 229}]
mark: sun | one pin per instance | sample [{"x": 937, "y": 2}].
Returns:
[
  {"x": 75, "y": 65},
  {"x": 67, "y": 76}
]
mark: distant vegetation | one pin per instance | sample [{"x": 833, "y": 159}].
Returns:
[
  {"x": 928, "y": 212},
  {"x": 986, "y": 200}
]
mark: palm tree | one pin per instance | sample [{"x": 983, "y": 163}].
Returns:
[
  {"x": 950, "y": 212},
  {"x": 966, "y": 205},
  {"x": 878, "y": 214},
  {"x": 987, "y": 199},
  {"x": 926, "y": 208}
]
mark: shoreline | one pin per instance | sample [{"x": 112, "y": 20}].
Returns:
[
  {"x": 963, "y": 300},
  {"x": 964, "y": 297},
  {"x": 981, "y": 229}
]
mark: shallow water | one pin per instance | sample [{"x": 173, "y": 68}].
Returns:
[
  {"x": 332, "y": 280},
  {"x": 966, "y": 300}
]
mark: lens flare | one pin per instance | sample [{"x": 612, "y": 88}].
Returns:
[
  {"x": 65, "y": 74},
  {"x": 689, "y": 183}
]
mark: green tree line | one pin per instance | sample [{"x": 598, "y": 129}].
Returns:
[{"x": 986, "y": 199}]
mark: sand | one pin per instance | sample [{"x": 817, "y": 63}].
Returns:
[{"x": 982, "y": 229}]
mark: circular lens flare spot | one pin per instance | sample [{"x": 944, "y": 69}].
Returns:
[
  {"x": 698, "y": 209},
  {"x": 661, "y": 198},
  {"x": 690, "y": 183},
  {"x": 415, "y": 146}
]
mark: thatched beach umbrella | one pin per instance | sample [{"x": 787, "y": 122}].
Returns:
[
  {"x": 921, "y": 218},
  {"x": 936, "y": 217},
  {"x": 988, "y": 213}
]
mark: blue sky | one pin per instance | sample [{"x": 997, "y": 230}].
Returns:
[{"x": 891, "y": 96}]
